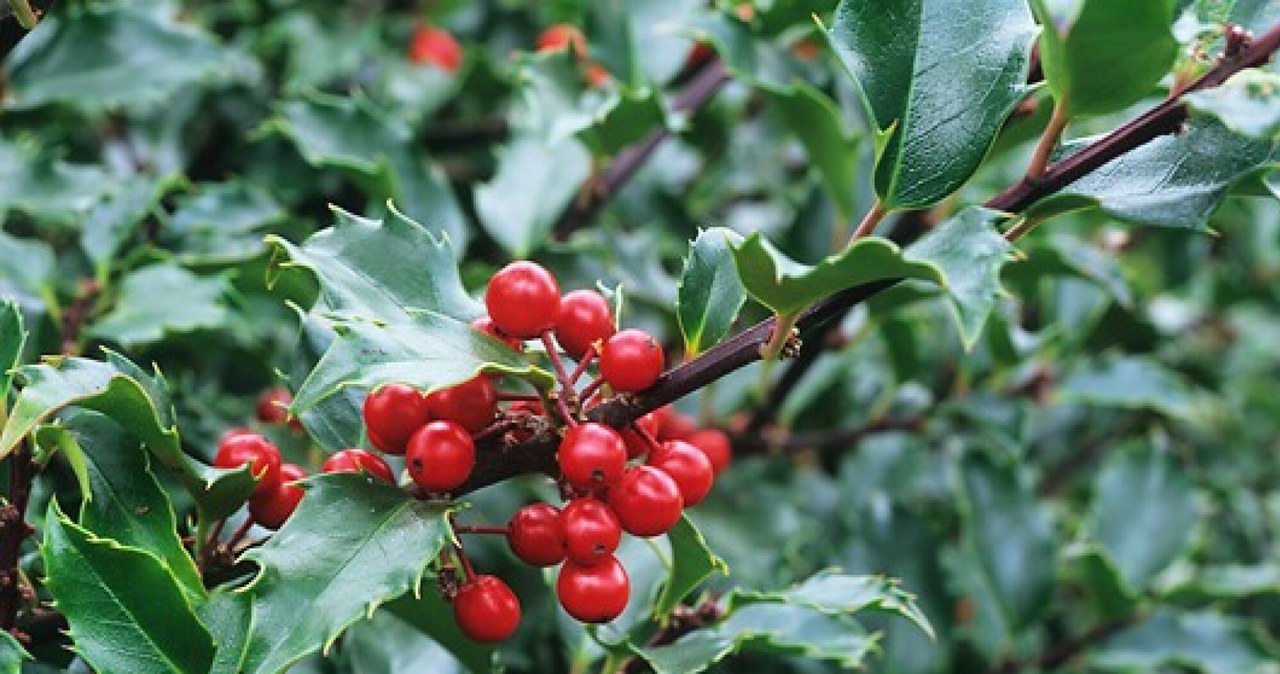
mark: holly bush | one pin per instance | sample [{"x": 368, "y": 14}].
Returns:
[{"x": 917, "y": 336}]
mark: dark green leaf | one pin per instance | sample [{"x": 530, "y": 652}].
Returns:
[
  {"x": 13, "y": 337},
  {"x": 223, "y": 222},
  {"x": 1203, "y": 584},
  {"x": 1248, "y": 103},
  {"x": 109, "y": 55},
  {"x": 44, "y": 186},
  {"x": 691, "y": 563},
  {"x": 1096, "y": 572},
  {"x": 831, "y": 146},
  {"x": 839, "y": 594},
  {"x": 386, "y": 643},
  {"x": 938, "y": 80},
  {"x": 431, "y": 615},
  {"x": 536, "y": 180},
  {"x": 710, "y": 293},
  {"x": 315, "y": 578},
  {"x": 636, "y": 40},
  {"x": 226, "y": 614},
  {"x": 1100, "y": 56},
  {"x": 115, "y": 219},
  {"x": 12, "y": 654},
  {"x": 1207, "y": 641},
  {"x": 1129, "y": 382},
  {"x": 126, "y": 611},
  {"x": 164, "y": 299}
]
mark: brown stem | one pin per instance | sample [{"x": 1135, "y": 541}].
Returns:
[
  {"x": 869, "y": 223},
  {"x": 13, "y": 531},
  {"x": 757, "y": 443},
  {"x": 478, "y": 529},
  {"x": 1065, "y": 651},
  {"x": 74, "y": 319},
  {"x": 583, "y": 364},
  {"x": 1048, "y": 141}
]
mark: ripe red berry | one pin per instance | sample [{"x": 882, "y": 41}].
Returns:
[
  {"x": 357, "y": 461},
  {"x": 716, "y": 445},
  {"x": 688, "y": 466},
  {"x": 253, "y": 449},
  {"x": 584, "y": 319},
  {"x": 440, "y": 456},
  {"x": 470, "y": 404},
  {"x": 647, "y": 501},
  {"x": 591, "y": 531},
  {"x": 485, "y": 324},
  {"x": 563, "y": 36},
  {"x": 631, "y": 361},
  {"x": 272, "y": 508},
  {"x": 598, "y": 76},
  {"x": 273, "y": 406},
  {"x": 592, "y": 456},
  {"x": 673, "y": 425},
  {"x": 486, "y": 610},
  {"x": 523, "y": 299},
  {"x": 392, "y": 414},
  {"x": 637, "y": 445},
  {"x": 536, "y": 535},
  {"x": 596, "y": 593},
  {"x": 436, "y": 46}
]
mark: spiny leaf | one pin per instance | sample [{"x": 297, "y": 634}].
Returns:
[
  {"x": 12, "y": 654},
  {"x": 223, "y": 222},
  {"x": 161, "y": 300},
  {"x": 710, "y": 293},
  {"x": 691, "y": 563},
  {"x": 13, "y": 337},
  {"x": 1248, "y": 103}
]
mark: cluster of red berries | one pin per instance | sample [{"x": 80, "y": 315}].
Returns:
[{"x": 435, "y": 46}]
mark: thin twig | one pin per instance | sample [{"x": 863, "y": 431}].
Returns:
[
  {"x": 1048, "y": 141},
  {"x": 13, "y": 531}
]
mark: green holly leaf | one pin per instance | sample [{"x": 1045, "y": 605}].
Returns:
[
  {"x": 635, "y": 40},
  {"x": 710, "y": 294},
  {"x": 316, "y": 579},
  {"x": 429, "y": 351},
  {"x": 109, "y": 55},
  {"x": 1094, "y": 570},
  {"x": 691, "y": 563},
  {"x": 226, "y": 614},
  {"x": 1248, "y": 103},
  {"x": 12, "y": 654},
  {"x": 164, "y": 299},
  {"x": 1064, "y": 256},
  {"x": 432, "y": 616},
  {"x": 1142, "y": 489},
  {"x": 13, "y": 337},
  {"x": 223, "y": 222},
  {"x": 938, "y": 80},
  {"x": 839, "y": 594},
  {"x": 1205, "y": 641},
  {"x": 1011, "y": 538},
  {"x": 1175, "y": 180},
  {"x": 1100, "y": 56},
  {"x": 519, "y": 207},
  {"x": 125, "y": 610},
  {"x": 44, "y": 186},
  {"x": 832, "y": 147},
  {"x": 377, "y": 151},
  {"x": 748, "y": 58},
  {"x": 383, "y": 269},
  {"x": 115, "y": 219},
  {"x": 1129, "y": 382},
  {"x": 51, "y": 439}
]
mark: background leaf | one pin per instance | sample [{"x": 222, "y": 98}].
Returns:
[
  {"x": 1248, "y": 103},
  {"x": 519, "y": 208},
  {"x": 164, "y": 299}
]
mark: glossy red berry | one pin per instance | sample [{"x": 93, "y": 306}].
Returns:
[
  {"x": 486, "y": 610},
  {"x": 272, "y": 508},
  {"x": 536, "y": 535},
  {"x": 470, "y": 404},
  {"x": 673, "y": 425},
  {"x": 688, "y": 466},
  {"x": 647, "y": 501},
  {"x": 584, "y": 319},
  {"x": 435, "y": 46},
  {"x": 716, "y": 445},
  {"x": 596, "y": 593},
  {"x": 523, "y": 299},
  {"x": 392, "y": 414},
  {"x": 631, "y": 361},
  {"x": 485, "y": 324},
  {"x": 440, "y": 456},
  {"x": 251, "y": 448},
  {"x": 562, "y": 36},
  {"x": 359, "y": 461},
  {"x": 273, "y": 406},
  {"x": 591, "y": 531},
  {"x": 592, "y": 456},
  {"x": 637, "y": 445}
]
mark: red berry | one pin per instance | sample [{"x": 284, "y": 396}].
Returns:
[
  {"x": 716, "y": 445},
  {"x": 688, "y": 466},
  {"x": 392, "y": 414},
  {"x": 233, "y": 432},
  {"x": 583, "y": 320},
  {"x": 596, "y": 593},
  {"x": 673, "y": 425},
  {"x": 436, "y": 46},
  {"x": 485, "y": 324},
  {"x": 647, "y": 501},
  {"x": 440, "y": 456},
  {"x": 470, "y": 404},
  {"x": 591, "y": 531},
  {"x": 273, "y": 406},
  {"x": 271, "y": 509},
  {"x": 251, "y": 448},
  {"x": 563, "y": 36},
  {"x": 598, "y": 76},
  {"x": 486, "y": 610},
  {"x": 592, "y": 456},
  {"x": 523, "y": 298},
  {"x": 359, "y": 461},
  {"x": 637, "y": 445},
  {"x": 631, "y": 361},
  {"x": 536, "y": 536}
]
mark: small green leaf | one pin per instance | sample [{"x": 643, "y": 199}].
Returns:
[
  {"x": 114, "y": 220},
  {"x": 12, "y": 654},
  {"x": 1205, "y": 641},
  {"x": 1104, "y": 55},
  {"x": 535, "y": 181},
  {"x": 691, "y": 563},
  {"x": 831, "y": 146},
  {"x": 1142, "y": 489},
  {"x": 1095, "y": 572},
  {"x": 49, "y": 440},
  {"x": 382, "y": 269},
  {"x": 710, "y": 293},
  {"x": 164, "y": 299},
  {"x": 13, "y": 337},
  {"x": 226, "y": 614},
  {"x": 44, "y": 186},
  {"x": 223, "y": 222},
  {"x": 938, "y": 80},
  {"x": 316, "y": 578},
  {"x": 110, "y": 55},
  {"x": 126, "y": 611},
  {"x": 839, "y": 594},
  {"x": 1129, "y": 382},
  {"x": 1248, "y": 103}
]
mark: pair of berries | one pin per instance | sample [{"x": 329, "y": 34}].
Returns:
[
  {"x": 563, "y": 36},
  {"x": 433, "y": 432}
]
